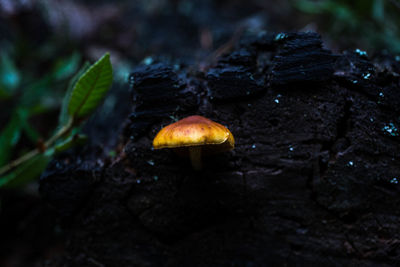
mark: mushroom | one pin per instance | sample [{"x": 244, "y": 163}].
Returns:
[{"x": 194, "y": 136}]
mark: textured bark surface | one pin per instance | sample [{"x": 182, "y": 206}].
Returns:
[{"x": 313, "y": 180}]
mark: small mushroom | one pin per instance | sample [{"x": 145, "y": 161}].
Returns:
[{"x": 195, "y": 136}]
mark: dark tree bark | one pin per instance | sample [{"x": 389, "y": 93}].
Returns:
[{"x": 313, "y": 180}]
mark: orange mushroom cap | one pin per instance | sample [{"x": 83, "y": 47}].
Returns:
[{"x": 195, "y": 131}]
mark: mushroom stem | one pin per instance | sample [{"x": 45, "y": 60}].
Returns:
[{"x": 195, "y": 157}]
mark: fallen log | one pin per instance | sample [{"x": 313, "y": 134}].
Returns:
[{"x": 312, "y": 181}]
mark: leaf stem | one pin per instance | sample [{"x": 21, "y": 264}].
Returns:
[
  {"x": 13, "y": 164},
  {"x": 18, "y": 161},
  {"x": 63, "y": 130}
]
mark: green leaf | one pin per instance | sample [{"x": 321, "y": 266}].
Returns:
[
  {"x": 9, "y": 75},
  {"x": 91, "y": 88},
  {"x": 27, "y": 172},
  {"x": 64, "y": 68},
  {"x": 30, "y": 132},
  {"x": 9, "y": 138},
  {"x": 32, "y": 93},
  {"x": 74, "y": 140},
  {"x": 64, "y": 116},
  {"x": 11, "y": 133},
  {"x": 308, "y": 6},
  {"x": 378, "y": 10}
]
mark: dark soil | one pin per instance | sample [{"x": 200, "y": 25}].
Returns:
[
  {"x": 29, "y": 229},
  {"x": 312, "y": 181}
]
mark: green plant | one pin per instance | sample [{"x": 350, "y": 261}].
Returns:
[
  {"x": 26, "y": 94},
  {"x": 85, "y": 92}
]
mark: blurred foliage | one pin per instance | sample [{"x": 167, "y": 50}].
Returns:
[
  {"x": 85, "y": 92},
  {"x": 26, "y": 172},
  {"x": 29, "y": 98},
  {"x": 9, "y": 76},
  {"x": 370, "y": 23}
]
